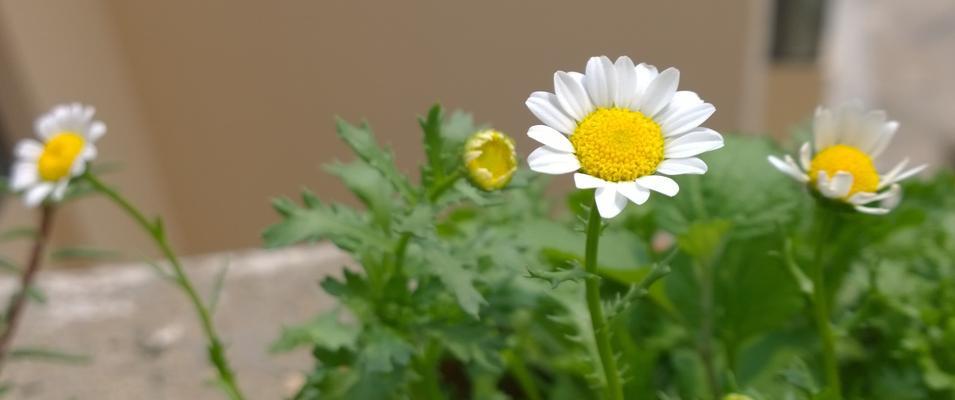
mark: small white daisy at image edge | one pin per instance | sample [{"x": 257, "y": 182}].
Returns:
[
  {"x": 621, "y": 129},
  {"x": 43, "y": 168},
  {"x": 840, "y": 163}
]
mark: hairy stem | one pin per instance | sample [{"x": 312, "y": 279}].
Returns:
[
  {"x": 216, "y": 350},
  {"x": 18, "y": 302},
  {"x": 820, "y": 304},
  {"x": 597, "y": 319}
]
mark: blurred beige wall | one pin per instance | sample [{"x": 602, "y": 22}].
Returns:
[{"x": 216, "y": 106}]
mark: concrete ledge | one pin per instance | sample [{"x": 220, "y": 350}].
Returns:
[{"x": 144, "y": 339}]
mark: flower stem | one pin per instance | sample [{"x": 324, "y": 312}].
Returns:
[
  {"x": 705, "y": 339},
  {"x": 439, "y": 188},
  {"x": 18, "y": 302},
  {"x": 597, "y": 320},
  {"x": 820, "y": 305},
  {"x": 216, "y": 351}
]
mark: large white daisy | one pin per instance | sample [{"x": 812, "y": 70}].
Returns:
[
  {"x": 44, "y": 168},
  {"x": 620, "y": 127},
  {"x": 840, "y": 164}
]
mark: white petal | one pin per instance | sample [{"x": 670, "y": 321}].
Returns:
[
  {"x": 89, "y": 152},
  {"x": 645, "y": 75},
  {"x": 868, "y": 197},
  {"x": 36, "y": 194},
  {"x": 45, "y": 126},
  {"x": 789, "y": 169},
  {"x": 97, "y": 130},
  {"x": 572, "y": 96},
  {"x": 28, "y": 149},
  {"x": 601, "y": 81},
  {"x": 681, "y": 166},
  {"x": 24, "y": 175},
  {"x": 872, "y": 210},
  {"x": 546, "y": 108},
  {"x": 889, "y": 177},
  {"x": 78, "y": 167},
  {"x": 892, "y": 197},
  {"x": 824, "y": 129},
  {"x": 658, "y": 183},
  {"x": 910, "y": 173},
  {"x": 634, "y": 192},
  {"x": 626, "y": 90},
  {"x": 609, "y": 202},
  {"x": 805, "y": 156},
  {"x": 870, "y": 130},
  {"x": 849, "y": 123},
  {"x": 660, "y": 92},
  {"x": 59, "y": 190},
  {"x": 888, "y": 131},
  {"x": 681, "y": 121},
  {"x": 551, "y": 138},
  {"x": 550, "y": 161},
  {"x": 836, "y": 188},
  {"x": 699, "y": 140},
  {"x": 584, "y": 181}
]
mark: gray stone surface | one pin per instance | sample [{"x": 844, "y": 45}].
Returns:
[{"x": 144, "y": 339}]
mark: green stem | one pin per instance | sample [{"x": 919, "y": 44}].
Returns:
[
  {"x": 597, "y": 320},
  {"x": 427, "y": 366},
  {"x": 216, "y": 351},
  {"x": 705, "y": 339},
  {"x": 522, "y": 374},
  {"x": 439, "y": 188},
  {"x": 820, "y": 304}
]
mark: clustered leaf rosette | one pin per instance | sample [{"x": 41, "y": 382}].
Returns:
[
  {"x": 490, "y": 159},
  {"x": 44, "y": 168},
  {"x": 840, "y": 163},
  {"x": 621, "y": 129}
]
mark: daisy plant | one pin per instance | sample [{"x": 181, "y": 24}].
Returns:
[
  {"x": 621, "y": 129},
  {"x": 839, "y": 169},
  {"x": 43, "y": 171}
]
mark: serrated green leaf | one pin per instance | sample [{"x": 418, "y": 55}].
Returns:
[
  {"x": 344, "y": 227},
  {"x": 434, "y": 150},
  {"x": 384, "y": 351},
  {"x": 325, "y": 331},
  {"x": 362, "y": 142},
  {"x": 456, "y": 278},
  {"x": 369, "y": 186}
]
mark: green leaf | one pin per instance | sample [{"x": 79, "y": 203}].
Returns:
[
  {"x": 703, "y": 239},
  {"x": 344, "y": 227},
  {"x": 384, "y": 351},
  {"x": 44, "y": 354},
  {"x": 434, "y": 151},
  {"x": 371, "y": 188},
  {"x": 8, "y": 265},
  {"x": 325, "y": 331},
  {"x": 22, "y": 232},
  {"x": 83, "y": 253},
  {"x": 454, "y": 276},
  {"x": 362, "y": 142}
]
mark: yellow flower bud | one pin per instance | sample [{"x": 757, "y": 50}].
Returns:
[{"x": 490, "y": 159}]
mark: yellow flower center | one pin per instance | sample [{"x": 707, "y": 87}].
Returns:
[
  {"x": 617, "y": 144},
  {"x": 490, "y": 159},
  {"x": 865, "y": 178},
  {"x": 58, "y": 155}
]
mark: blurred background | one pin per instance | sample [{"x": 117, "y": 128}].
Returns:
[{"x": 214, "y": 107}]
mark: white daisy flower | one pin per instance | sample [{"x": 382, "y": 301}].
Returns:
[
  {"x": 840, "y": 165},
  {"x": 44, "y": 168},
  {"x": 620, "y": 127}
]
